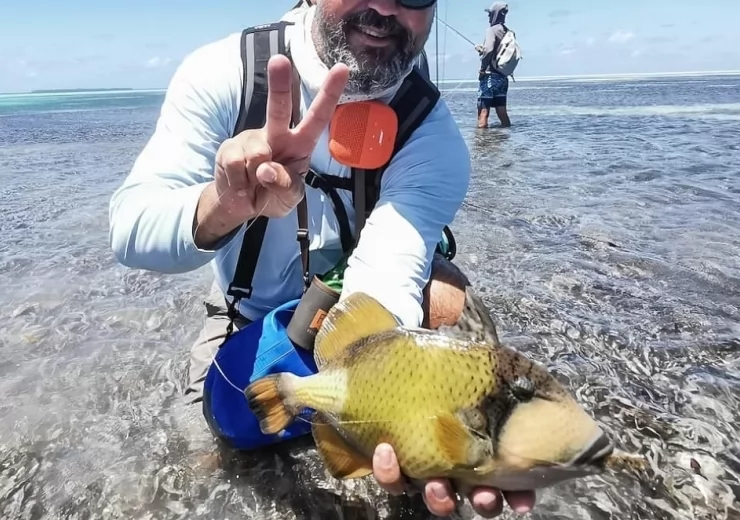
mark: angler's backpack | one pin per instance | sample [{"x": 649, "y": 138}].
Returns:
[{"x": 509, "y": 54}]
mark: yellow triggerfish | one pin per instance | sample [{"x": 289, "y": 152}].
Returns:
[{"x": 476, "y": 413}]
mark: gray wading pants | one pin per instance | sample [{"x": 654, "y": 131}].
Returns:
[{"x": 208, "y": 342}]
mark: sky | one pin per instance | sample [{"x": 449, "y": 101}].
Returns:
[{"x": 48, "y": 44}]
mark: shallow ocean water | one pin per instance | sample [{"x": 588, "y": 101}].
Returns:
[{"x": 603, "y": 229}]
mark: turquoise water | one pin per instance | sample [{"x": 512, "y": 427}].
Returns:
[
  {"x": 603, "y": 229},
  {"x": 53, "y": 102}
]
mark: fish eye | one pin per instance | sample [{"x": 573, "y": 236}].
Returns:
[{"x": 522, "y": 389}]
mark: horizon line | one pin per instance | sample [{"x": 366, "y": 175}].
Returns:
[
  {"x": 625, "y": 75},
  {"x": 729, "y": 72}
]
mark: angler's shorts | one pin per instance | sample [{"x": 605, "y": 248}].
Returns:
[
  {"x": 492, "y": 91},
  {"x": 211, "y": 337}
]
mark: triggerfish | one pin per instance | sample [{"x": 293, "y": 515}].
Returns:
[{"x": 474, "y": 412}]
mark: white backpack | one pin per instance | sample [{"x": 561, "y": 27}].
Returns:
[{"x": 509, "y": 54}]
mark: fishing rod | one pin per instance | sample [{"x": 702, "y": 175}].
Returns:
[
  {"x": 461, "y": 35},
  {"x": 436, "y": 40}
]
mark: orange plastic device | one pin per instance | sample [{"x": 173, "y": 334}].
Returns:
[{"x": 363, "y": 134}]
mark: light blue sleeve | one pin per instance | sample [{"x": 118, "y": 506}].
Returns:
[
  {"x": 151, "y": 214},
  {"x": 421, "y": 191}
]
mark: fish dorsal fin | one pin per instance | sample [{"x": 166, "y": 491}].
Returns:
[{"x": 355, "y": 317}]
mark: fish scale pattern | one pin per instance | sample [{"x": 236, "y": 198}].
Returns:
[{"x": 399, "y": 385}]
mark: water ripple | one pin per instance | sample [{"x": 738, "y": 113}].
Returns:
[{"x": 603, "y": 231}]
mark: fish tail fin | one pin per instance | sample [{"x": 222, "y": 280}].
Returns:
[{"x": 271, "y": 400}]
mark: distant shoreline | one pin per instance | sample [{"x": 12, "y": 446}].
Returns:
[
  {"x": 78, "y": 90},
  {"x": 615, "y": 76},
  {"x": 579, "y": 77}
]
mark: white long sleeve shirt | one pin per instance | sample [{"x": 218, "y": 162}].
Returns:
[{"x": 152, "y": 213}]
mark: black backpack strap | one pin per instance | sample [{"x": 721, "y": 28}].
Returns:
[
  {"x": 329, "y": 184},
  {"x": 413, "y": 102},
  {"x": 258, "y": 45}
]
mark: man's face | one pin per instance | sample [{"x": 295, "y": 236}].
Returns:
[{"x": 377, "y": 39}]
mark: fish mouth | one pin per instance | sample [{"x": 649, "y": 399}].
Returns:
[{"x": 595, "y": 455}]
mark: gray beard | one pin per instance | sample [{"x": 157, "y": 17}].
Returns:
[{"x": 369, "y": 73}]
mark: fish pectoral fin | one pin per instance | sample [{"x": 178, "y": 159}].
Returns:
[
  {"x": 454, "y": 440},
  {"x": 341, "y": 460},
  {"x": 348, "y": 321}
]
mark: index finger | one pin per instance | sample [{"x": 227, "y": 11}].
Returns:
[
  {"x": 322, "y": 109},
  {"x": 279, "y": 96}
]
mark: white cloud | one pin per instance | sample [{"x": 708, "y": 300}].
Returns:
[
  {"x": 157, "y": 61},
  {"x": 621, "y": 37}
]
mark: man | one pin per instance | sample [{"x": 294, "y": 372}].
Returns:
[
  {"x": 194, "y": 186},
  {"x": 493, "y": 86}
]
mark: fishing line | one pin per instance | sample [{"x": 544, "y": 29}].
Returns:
[
  {"x": 451, "y": 91},
  {"x": 228, "y": 250},
  {"x": 218, "y": 367},
  {"x": 448, "y": 92},
  {"x": 233, "y": 242}
]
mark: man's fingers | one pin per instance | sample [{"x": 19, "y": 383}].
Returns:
[
  {"x": 322, "y": 109},
  {"x": 231, "y": 161},
  {"x": 521, "y": 501},
  {"x": 487, "y": 502},
  {"x": 286, "y": 188},
  {"x": 275, "y": 177},
  {"x": 438, "y": 494},
  {"x": 439, "y": 497},
  {"x": 279, "y": 97},
  {"x": 386, "y": 470},
  {"x": 256, "y": 151}
]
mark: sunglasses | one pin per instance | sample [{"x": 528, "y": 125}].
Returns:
[
  {"x": 416, "y": 4},
  {"x": 408, "y": 4}
]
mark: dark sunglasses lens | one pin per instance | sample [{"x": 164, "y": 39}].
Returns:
[{"x": 417, "y": 4}]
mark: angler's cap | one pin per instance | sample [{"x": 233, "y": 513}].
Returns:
[{"x": 497, "y": 6}]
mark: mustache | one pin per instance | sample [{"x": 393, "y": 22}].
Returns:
[{"x": 371, "y": 18}]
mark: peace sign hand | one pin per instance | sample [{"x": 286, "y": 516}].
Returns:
[{"x": 261, "y": 171}]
